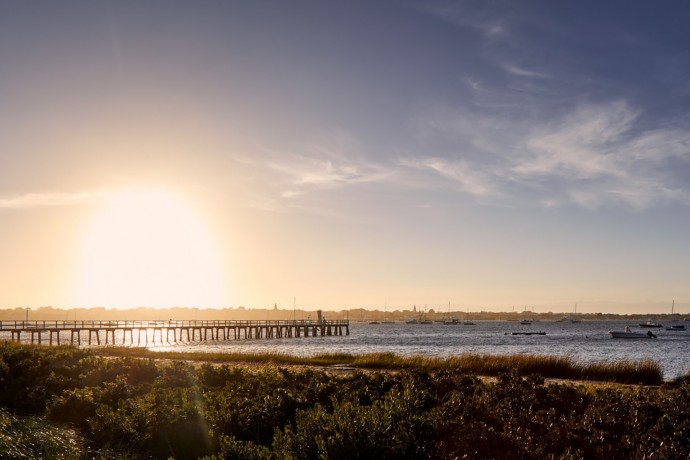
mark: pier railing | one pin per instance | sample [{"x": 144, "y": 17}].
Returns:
[{"x": 172, "y": 323}]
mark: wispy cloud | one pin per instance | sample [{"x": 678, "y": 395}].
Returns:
[
  {"x": 468, "y": 178},
  {"x": 524, "y": 72},
  {"x": 591, "y": 156},
  {"x": 583, "y": 144},
  {"x": 291, "y": 176},
  {"x": 474, "y": 18},
  {"x": 302, "y": 174},
  {"x": 34, "y": 200}
]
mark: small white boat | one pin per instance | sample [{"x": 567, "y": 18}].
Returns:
[{"x": 629, "y": 334}]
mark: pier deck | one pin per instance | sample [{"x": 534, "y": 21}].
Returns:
[{"x": 181, "y": 330}]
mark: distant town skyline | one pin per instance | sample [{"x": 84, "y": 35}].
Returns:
[{"x": 349, "y": 154}]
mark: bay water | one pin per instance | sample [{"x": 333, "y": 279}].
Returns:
[{"x": 584, "y": 342}]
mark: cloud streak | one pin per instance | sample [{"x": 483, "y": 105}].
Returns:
[
  {"x": 524, "y": 72},
  {"x": 468, "y": 179},
  {"x": 290, "y": 177},
  {"x": 51, "y": 199}
]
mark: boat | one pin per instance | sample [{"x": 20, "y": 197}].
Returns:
[
  {"x": 424, "y": 319},
  {"x": 629, "y": 334},
  {"x": 385, "y": 316},
  {"x": 675, "y": 327},
  {"x": 466, "y": 321},
  {"x": 374, "y": 322},
  {"x": 525, "y": 322},
  {"x": 412, "y": 321},
  {"x": 527, "y": 333},
  {"x": 451, "y": 319},
  {"x": 651, "y": 324},
  {"x": 569, "y": 319}
]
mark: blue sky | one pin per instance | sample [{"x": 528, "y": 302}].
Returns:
[{"x": 356, "y": 154}]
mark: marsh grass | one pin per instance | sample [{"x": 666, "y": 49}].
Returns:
[{"x": 644, "y": 372}]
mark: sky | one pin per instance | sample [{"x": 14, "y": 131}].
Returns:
[{"x": 487, "y": 155}]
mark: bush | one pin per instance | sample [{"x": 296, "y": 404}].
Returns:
[{"x": 393, "y": 427}]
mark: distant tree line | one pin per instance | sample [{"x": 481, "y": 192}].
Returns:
[{"x": 273, "y": 313}]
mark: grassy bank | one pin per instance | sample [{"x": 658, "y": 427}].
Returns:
[
  {"x": 68, "y": 403},
  {"x": 645, "y": 372}
]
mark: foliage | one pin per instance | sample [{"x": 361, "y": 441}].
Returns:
[
  {"x": 61, "y": 400},
  {"x": 29, "y": 376},
  {"x": 32, "y": 437},
  {"x": 392, "y": 427}
]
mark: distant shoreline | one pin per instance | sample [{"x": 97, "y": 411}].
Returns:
[{"x": 355, "y": 315}]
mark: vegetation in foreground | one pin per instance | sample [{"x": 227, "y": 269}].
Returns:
[{"x": 61, "y": 402}]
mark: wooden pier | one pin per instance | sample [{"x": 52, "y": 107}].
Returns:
[{"x": 167, "y": 331}]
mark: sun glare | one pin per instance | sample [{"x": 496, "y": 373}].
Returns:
[{"x": 145, "y": 247}]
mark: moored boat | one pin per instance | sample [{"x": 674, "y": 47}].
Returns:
[{"x": 629, "y": 334}]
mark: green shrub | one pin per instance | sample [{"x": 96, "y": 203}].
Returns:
[
  {"x": 164, "y": 422},
  {"x": 393, "y": 427},
  {"x": 232, "y": 449}
]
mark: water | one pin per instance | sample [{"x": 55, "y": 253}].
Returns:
[{"x": 584, "y": 342}]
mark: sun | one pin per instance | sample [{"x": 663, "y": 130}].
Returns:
[{"x": 146, "y": 247}]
